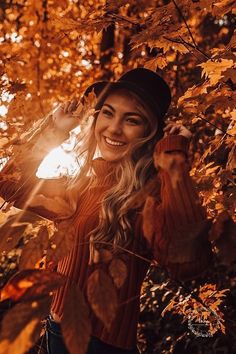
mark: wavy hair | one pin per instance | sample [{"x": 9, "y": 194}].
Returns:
[{"x": 133, "y": 172}]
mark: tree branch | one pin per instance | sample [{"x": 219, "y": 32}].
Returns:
[{"x": 195, "y": 45}]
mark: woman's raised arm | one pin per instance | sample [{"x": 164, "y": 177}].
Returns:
[
  {"x": 23, "y": 190},
  {"x": 177, "y": 228}
]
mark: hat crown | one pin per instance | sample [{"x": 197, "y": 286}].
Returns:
[{"x": 155, "y": 90}]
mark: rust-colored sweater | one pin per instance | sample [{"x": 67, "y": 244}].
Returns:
[{"x": 177, "y": 240}]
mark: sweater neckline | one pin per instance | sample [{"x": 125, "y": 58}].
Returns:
[{"x": 104, "y": 171}]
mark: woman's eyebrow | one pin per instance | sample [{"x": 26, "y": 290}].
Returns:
[
  {"x": 137, "y": 113},
  {"x": 108, "y": 105}
]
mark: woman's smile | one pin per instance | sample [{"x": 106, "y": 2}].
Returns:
[{"x": 113, "y": 142}]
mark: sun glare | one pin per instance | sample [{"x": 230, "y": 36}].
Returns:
[{"x": 58, "y": 163}]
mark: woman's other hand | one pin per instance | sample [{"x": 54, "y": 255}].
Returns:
[
  {"x": 177, "y": 129},
  {"x": 63, "y": 118}
]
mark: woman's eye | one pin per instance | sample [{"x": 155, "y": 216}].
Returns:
[
  {"x": 106, "y": 112},
  {"x": 134, "y": 121}
]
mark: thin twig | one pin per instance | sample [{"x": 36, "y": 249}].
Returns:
[
  {"x": 186, "y": 24},
  {"x": 186, "y": 45},
  {"x": 215, "y": 126},
  {"x": 197, "y": 48},
  {"x": 189, "y": 31},
  {"x": 123, "y": 18}
]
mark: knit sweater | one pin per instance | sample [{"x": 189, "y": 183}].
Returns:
[{"x": 177, "y": 240}]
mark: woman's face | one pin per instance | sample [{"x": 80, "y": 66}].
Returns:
[{"x": 120, "y": 122}]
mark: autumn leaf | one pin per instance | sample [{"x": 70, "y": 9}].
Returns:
[
  {"x": 75, "y": 324},
  {"x": 169, "y": 307},
  {"x": 34, "y": 249},
  {"x": 21, "y": 326},
  {"x": 156, "y": 63},
  {"x": 61, "y": 242},
  {"x": 30, "y": 284},
  {"x": 118, "y": 271},
  {"x": 102, "y": 296},
  {"x": 20, "y": 224},
  {"x": 56, "y": 204},
  {"x": 214, "y": 69},
  {"x": 222, "y": 7},
  {"x": 149, "y": 218},
  {"x": 223, "y": 235}
]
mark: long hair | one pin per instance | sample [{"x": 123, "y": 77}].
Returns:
[{"x": 133, "y": 172}]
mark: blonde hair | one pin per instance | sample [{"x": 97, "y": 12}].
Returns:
[{"x": 133, "y": 172}]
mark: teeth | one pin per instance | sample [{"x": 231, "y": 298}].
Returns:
[{"x": 112, "y": 142}]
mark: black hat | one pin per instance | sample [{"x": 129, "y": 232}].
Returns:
[{"x": 148, "y": 85}]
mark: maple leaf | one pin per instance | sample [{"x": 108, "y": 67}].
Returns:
[
  {"x": 156, "y": 63},
  {"x": 214, "y": 69}
]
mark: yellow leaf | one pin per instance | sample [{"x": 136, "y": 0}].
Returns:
[{"x": 213, "y": 69}]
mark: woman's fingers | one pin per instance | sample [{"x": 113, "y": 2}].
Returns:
[
  {"x": 177, "y": 129},
  {"x": 72, "y": 106},
  {"x": 172, "y": 128}
]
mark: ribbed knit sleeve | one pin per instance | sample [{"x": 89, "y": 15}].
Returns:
[
  {"x": 18, "y": 181},
  {"x": 177, "y": 228}
]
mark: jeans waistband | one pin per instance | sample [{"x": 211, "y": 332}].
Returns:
[{"x": 53, "y": 326}]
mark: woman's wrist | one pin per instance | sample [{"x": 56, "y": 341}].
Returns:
[{"x": 49, "y": 139}]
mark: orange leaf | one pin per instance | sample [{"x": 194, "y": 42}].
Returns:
[
  {"x": 34, "y": 249},
  {"x": 62, "y": 242},
  {"x": 21, "y": 326},
  {"x": 102, "y": 296},
  {"x": 76, "y": 326},
  {"x": 31, "y": 284},
  {"x": 118, "y": 271}
]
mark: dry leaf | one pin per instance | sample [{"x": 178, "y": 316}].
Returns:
[
  {"x": 75, "y": 325},
  {"x": 34, "y": 250},
  {"x": 102, "y": 296},
  {"x": 214, "y": 69},
  {"x": 56, "y": 205},
  {"x": 30, "y": 284},
  {"x": 21, "y": 326},
  {"x": 118, "y": 271},
  {"x": 223, "y": 233},
  {"x": 17, "y": 226},
  {"x": 149, "y": 218},
  {"x": 61, "y": 242}
]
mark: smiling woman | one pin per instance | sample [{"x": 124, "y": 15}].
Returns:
[{"x": 134, "y": 203}]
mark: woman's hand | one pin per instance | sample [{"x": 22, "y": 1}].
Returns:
[
  {"x": 63, "y": 118},
  {"x": 177, "y": 129}
]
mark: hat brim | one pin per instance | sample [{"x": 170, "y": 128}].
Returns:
[{"x": 103, "y": 88}]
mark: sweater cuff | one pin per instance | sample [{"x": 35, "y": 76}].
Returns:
[{"x": 172, "y": 143}]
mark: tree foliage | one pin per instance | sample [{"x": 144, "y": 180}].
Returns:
[{"x": 51, "y": 50}]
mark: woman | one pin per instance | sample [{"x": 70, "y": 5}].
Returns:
[{"x": 169, "y": 226}]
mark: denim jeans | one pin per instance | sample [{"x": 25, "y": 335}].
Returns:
[{"x": 55, "y": 343}]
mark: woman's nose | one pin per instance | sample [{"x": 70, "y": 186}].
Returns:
[{"x": 115, "y": 126}]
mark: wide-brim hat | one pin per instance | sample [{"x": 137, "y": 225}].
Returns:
[{"x": 148, "y": 85}]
